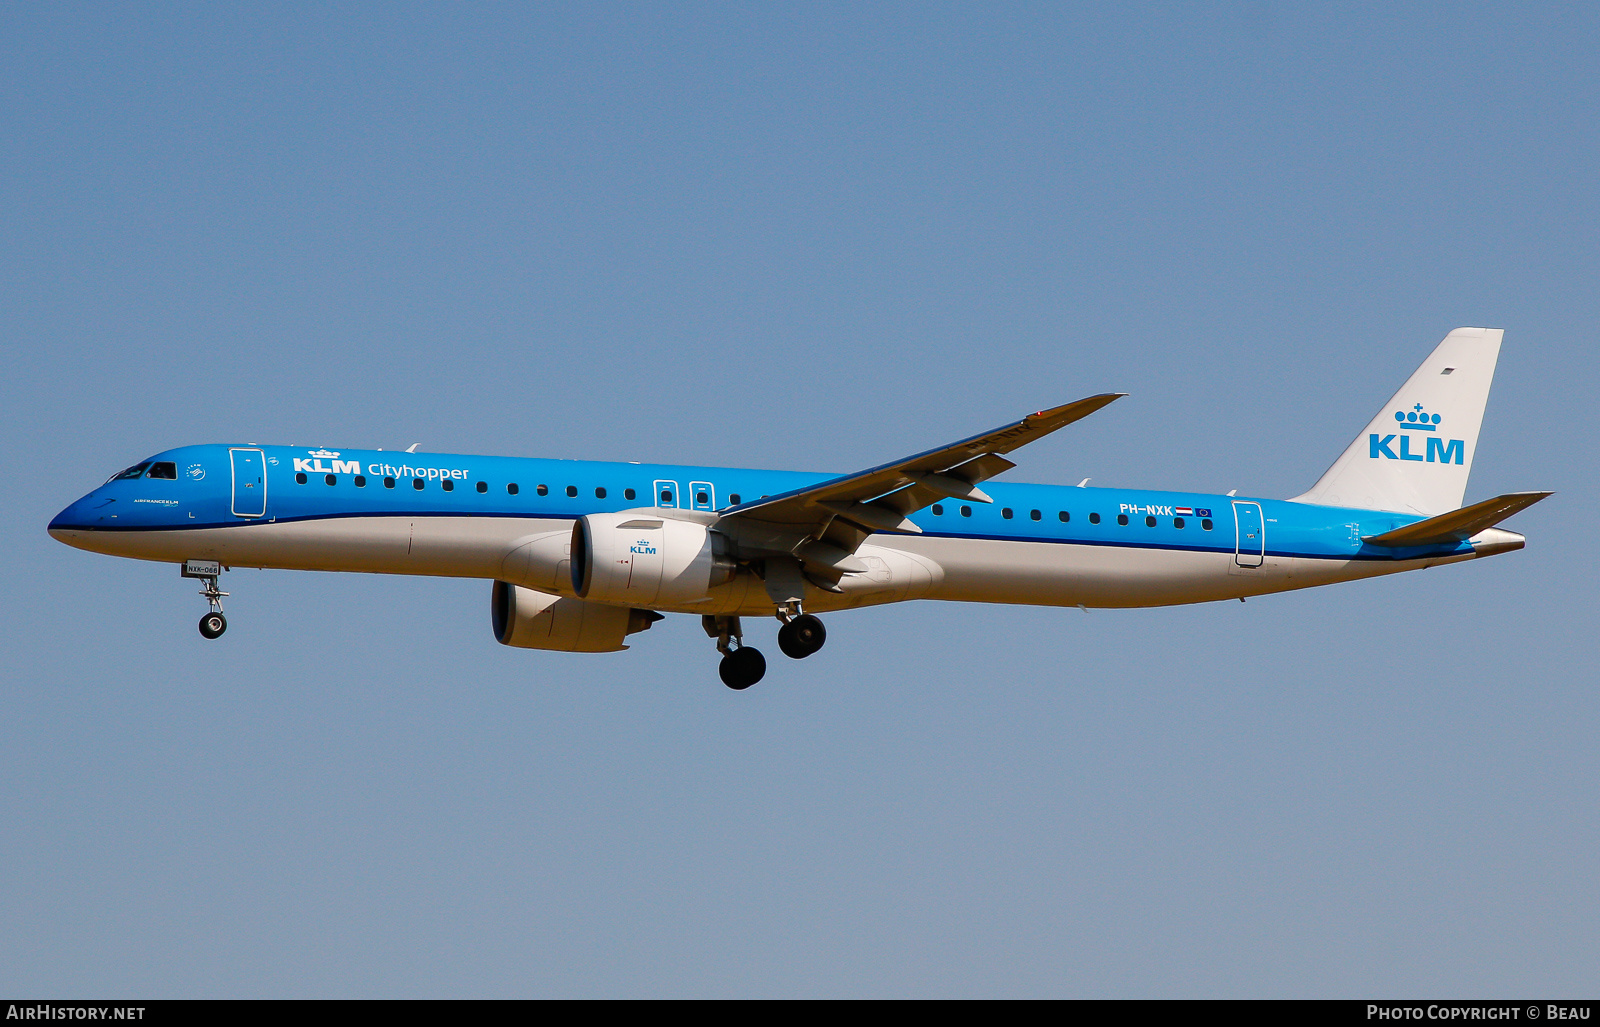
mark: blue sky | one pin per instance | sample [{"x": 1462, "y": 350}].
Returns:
[{"x": 811, "y": 237}]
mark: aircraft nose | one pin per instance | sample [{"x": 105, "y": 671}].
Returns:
[{"x": 74, "y": 518}]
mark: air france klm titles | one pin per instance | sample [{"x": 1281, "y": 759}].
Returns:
[
  {"x": 1415, "y": 420},
  {"x": 314, "y": 465}
]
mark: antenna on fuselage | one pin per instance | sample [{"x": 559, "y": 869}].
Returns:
[
  {"x": 1082, "y": 483},
  {"x": 413, "y": 447}
]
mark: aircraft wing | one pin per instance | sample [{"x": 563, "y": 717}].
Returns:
[{"x": 823, "y": 524}]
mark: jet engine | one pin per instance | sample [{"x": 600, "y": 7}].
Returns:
[
  {"x": 633, "y": 560},
  {"x": 534, "y": 620}
]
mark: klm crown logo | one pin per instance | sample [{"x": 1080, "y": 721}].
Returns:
[
  {"x": 313, "y": 464},
  {"x": 1417, "y": 419}
]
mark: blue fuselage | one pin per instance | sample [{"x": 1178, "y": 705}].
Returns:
[{"x": 238, "y": 488}]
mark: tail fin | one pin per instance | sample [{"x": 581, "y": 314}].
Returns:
[{"x": 1416, "y": 454}]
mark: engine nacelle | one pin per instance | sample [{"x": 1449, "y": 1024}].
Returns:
[
  {"x": 643, "y": 560},
  {"x": 534, "y": 620}
]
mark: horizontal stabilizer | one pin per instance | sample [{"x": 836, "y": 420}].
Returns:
[{"x": 1458, "y": 525}]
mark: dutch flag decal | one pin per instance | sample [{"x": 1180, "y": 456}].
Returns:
[{"x": 1183, "y": 511}]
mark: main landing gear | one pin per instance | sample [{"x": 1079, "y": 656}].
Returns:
[
  {"x": 801, "y": 636},
  {"x": 742, "y": 666},
  {"x": 213, "y": 624}
]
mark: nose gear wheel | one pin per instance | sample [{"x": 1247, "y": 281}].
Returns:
[{"x": 213, "y": 624}]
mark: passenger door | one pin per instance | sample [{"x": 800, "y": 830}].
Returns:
[
  {"x": 1250, "y": 535},
  {"x": 249, "y": 482}
]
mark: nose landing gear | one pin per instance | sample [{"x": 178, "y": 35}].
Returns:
[
  {"x": 741, "y": 666},
  {"x": 213, "y": 624}
]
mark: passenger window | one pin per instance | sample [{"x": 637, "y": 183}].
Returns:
[
  {"x": 543, "y": 490},
  {"x": 1094, "y": 518},
  {"x": 483, "y": 486},
  {"x": 600, "y": 493},
  {"x": 449, "y": 486},
  {"x": 666, "y": 495},
  {"x": 572, "y": 491},
  {"x": 163, "y": 469},
  {"x": 130, "y": 473},
  {"x": 734, "y": 499},
  {"x": 1205, "y": 523},
  {"x": 388, "y": 483},
  {"x": 1063, "y": 516},
  {"x": 628, "y": 493},
  {"x": 300, "y": 478},
  {"x": 938, "y": 511},
  {"x": 512, "y": 489},
  {"x": 1006, "y": 513},
  {"x": 330, "y": 479},
  {"x": 361, "y": 481},
  {"x": 1149, "y": 522},
  {"x": 1036, "y": 515},
  {"x": 419, "y": 483},
  {"x": 1122, "y": 519},
  {"x": 701, "y": 497},
  {"x": 1177, "y": 522},
  {"x": 966, "y": 511}
]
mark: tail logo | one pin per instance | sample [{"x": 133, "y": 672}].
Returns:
[{"x": 1417, "y": 419}]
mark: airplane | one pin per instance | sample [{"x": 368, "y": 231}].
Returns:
[{"x": 583, "y": 554}]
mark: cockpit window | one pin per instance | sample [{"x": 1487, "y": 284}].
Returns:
[
  {"x": 163, "y": 469},
  {"x": 133, "y": 472}
]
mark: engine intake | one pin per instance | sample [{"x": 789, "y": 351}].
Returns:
[{"x": 633, "y": 560}]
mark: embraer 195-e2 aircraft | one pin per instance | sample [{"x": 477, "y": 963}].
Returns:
[{"x": 584, "y": 554}]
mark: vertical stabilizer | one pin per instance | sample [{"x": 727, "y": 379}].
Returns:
[{"x": 1416, "y": 454}]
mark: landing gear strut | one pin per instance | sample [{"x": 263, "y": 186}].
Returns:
[
  {"x": 742, "y": 666},
  {"x": 213, "y": 624},
  {"x": 801, "y": 634}
]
